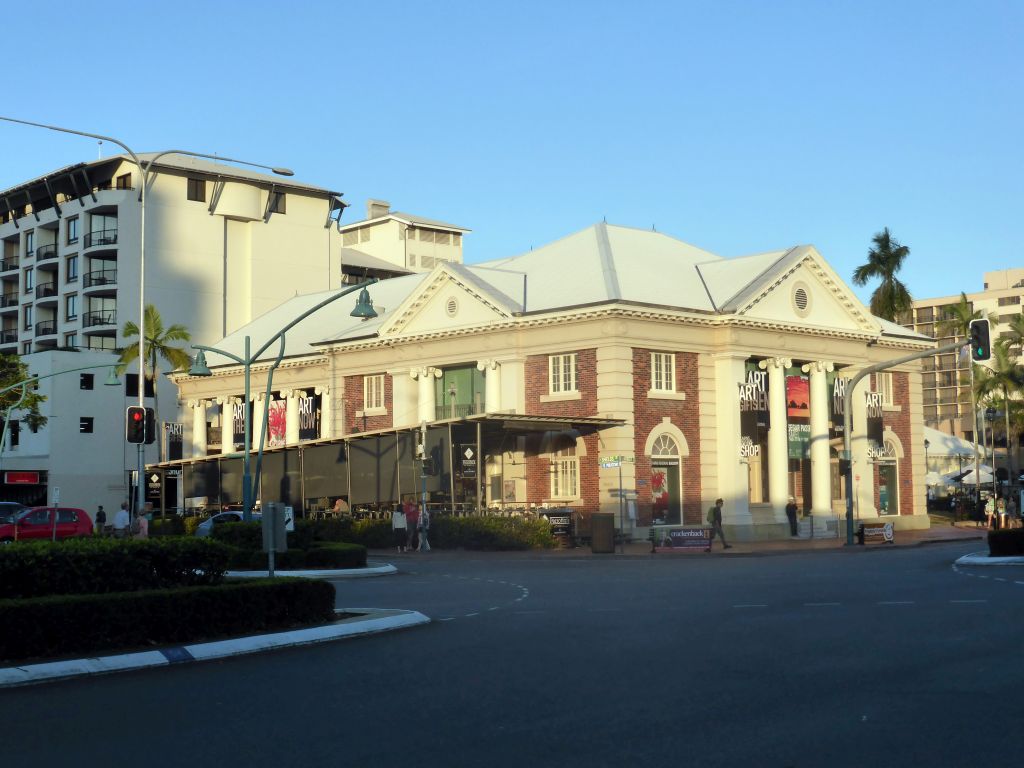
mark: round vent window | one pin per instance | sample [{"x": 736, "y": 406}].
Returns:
[
  {"x": 801, "y": 300},
  {"x": 453, "y": 307}
]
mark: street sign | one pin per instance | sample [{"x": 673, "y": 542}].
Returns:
[{"x": 56, "y": 495}]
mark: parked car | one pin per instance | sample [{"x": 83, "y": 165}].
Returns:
[
  {"x": 205, "y": 528},
  {"x": 36, "y": 523},
  {"x": 8, "y": 509}
]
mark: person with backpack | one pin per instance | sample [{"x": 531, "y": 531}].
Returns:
[{"x": 715, "y": 520}]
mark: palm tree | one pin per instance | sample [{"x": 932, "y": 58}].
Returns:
[
  {"x": 157, "y": 345},
  {"x": 885, "y": 259},
  {"x": 957, "y": 323},
  {"x": 1003, "y": 378}
]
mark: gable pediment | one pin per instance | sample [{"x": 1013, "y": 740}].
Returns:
[
  {"x": 444, "y": 302},
  {"x": 807, "y": 292}
]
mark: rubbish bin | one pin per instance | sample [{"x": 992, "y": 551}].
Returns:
[{"x": 602, "y": 532}]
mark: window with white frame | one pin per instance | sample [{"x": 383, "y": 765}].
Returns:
[
  {"x": 565, "y": 473},
  {"x": 663, "y": 372},
  {"x": 562, "y": 370},
  {"x": 373, "y": 392},
  {"x": 883, "y": 384}
]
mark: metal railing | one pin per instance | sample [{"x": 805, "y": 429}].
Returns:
[
  {"x": 9, "y": 336},
  {"x": 48, "y": 251},
  {"x": 457, "y": 411},
  {"x": 101, "y": 237},
  {"x": 9, "y": 300},
  {"x": 46, "y": 328},
  {"x": 102, "y": 317},
  {"x": 100, "y": 277},
  {"x": 44, "y": 290},
  {"x": 6, "y": 265}
]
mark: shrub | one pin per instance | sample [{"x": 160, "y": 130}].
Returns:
[
  {"x": 1006, "y": 542},
  {"x": 292, "y": 560},
  {"x": 193, "y": 522},
  {"x": 248, "y": 536},
  {"x": 337, "y": 556},
  {"x": 307, "y": 534},
  {"x": 168, "y": 526},
  {"x": 373, "y": 534},
  {"x": 79, "y": 624},
  {"x": 489, "y": 533},
  {"x": 95, "y": 565}
]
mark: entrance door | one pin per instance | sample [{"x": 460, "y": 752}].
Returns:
[{"x": 667, "y": 502}]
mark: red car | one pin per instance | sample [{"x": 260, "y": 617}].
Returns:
[{"x": 37, "y": 523}]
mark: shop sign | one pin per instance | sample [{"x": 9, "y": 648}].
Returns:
[
  {"x": 873, "y": 403},
  {"x": 754, "y": 402},
  {"x": 21, "y": 478},
  {"x": 238, "y": 416},
  {"x": 748, "y": 448},
  {"x": 799, "y": 441},
  {"x": 175, "y": 438},
  {"x": 468, "y": 462},
  {"x": 682, "y": 539}
]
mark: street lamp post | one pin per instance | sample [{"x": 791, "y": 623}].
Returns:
[
  {"x": 111, "y": 381},
  {"x": 364, "y": 309},
  {"x": 146, "y": 171}
]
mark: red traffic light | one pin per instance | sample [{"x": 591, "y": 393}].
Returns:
[
  {"x": 135, "y": 415},
  {"x": 135, "y": 424}
]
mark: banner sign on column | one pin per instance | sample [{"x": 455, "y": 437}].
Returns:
[{"x": 309, "y": 417}]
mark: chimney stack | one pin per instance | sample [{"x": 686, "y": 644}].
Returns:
[{"x": 377, "y": 208}]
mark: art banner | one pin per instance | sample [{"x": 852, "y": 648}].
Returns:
[
  {"x": 277, "y": 420},
  {"x": 309, "y": 417},
  {"x": 238, "y": 423}
]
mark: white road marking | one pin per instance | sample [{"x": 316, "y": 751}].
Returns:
[
  {"x": 468, "y": 615},
  {"x": 815, "y": 605},
  {"x": 751, "y": 605},
  {"x": 493, "y": 608},
  {"x": 447, "y": 618},
  {"x": 975, "y": 601},
  {"x": 895, "y": 602}
]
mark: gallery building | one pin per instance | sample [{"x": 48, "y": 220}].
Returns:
[{"x": 615, "y": 370}]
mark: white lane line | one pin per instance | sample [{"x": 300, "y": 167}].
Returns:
[
  {"x": 493, "y": 608},
  {"x": 468, "y": 615},
  {"x": 997, "y": 578},
  {"x": 751, "y": 605},
  {"x": 815, "y": 605},
  {"x": 895, "y": 602},
  {"x": 974, "y": 601},
  {"x": 1018, "y": 582},
  {"x": 447, "y": 618}
]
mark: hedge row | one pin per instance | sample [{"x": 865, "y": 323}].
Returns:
[
  {"x": 325, "y": 556},
  {"x": 480, "y": 533},
  {"x": 1006, "y": 542},
  {"x": 82, "y": 624},
  {"x": 99, "y": 565}
]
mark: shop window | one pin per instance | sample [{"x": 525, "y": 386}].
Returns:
[{"x": 562, "y": 373}]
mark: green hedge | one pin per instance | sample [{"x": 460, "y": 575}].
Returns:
[
  {"x": 97, "y": 565},
  {"x": 489, "y": 533},
  {"x": 333, "y": 555},
  {"x": 83, "y": 624},
  {"x": 1006, "y": 542},
  {"x": 307, "y": 533},
  {"x": 172, "y": 525}
]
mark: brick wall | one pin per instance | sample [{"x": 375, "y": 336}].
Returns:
[
  {"x": 538, "y": 483},
  {"x": 354, "y": 402},
  {"x": 684, "y": 414}
]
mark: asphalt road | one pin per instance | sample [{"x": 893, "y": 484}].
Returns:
[{"x": 885, "y": 657}]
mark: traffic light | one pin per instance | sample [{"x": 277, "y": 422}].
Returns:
[
  {"x": 150, "y": 426},
  {"x": 980, "y": 349},
  {"x": 428, "y": 466},
  {"x": 135, "y": 424}
]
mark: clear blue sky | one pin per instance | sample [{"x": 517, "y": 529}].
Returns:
[{"x": 736, "y": 126}]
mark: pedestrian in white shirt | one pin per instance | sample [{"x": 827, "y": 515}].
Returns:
[{"x": 121, "y": 521}]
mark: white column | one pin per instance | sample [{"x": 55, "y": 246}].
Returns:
[
  {"x": 291, "y": 427},
  {"x": 492, "y": 384},
  {"x": 326, "y": 413},
  {"x": 427, "y": 409},
  {"x": 821, "y": 475},
  {"x": 733, "y": 483},
  {"x": 198, "y": 427},
  {"x": 778, "y": 439}
]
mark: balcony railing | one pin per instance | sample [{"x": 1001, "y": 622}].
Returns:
[
  {"x": 102, "y": 317},
  {"x": 44, "y": 290},
  {"x": 46, "y": 252},
  {"x": 457, "y": 411},
  {"x": 9, "y": 336},
  {"x": 100, "y": 277},
  {"x": 9, "y": 300},
  {"x": 6, "y": 265},
  {"x": 46, "y": 328},
  {"x": 101, "y": 237}
]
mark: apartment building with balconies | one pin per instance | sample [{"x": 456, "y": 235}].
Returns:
[
  {"x": 946, "y": 388},
  {"x": 223, "y": 245}
]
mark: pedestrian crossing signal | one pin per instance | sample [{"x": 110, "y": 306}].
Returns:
[{"x": 980, "y": 348}]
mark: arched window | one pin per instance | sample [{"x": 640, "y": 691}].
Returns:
[
  {"x": 664, "y": 446},
  {"x": 888, "y": 480}
]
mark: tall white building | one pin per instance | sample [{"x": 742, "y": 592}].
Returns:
[{"x": 223, "y": 246}]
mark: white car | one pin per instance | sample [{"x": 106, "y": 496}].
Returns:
[{"x": 205, "y": 528}]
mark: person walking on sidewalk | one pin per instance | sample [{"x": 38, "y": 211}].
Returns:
[
  {"x": 412, "y": 518},
  {"x": 791, "y": 515},
  {"x": 423, "y": 528},
  {"x": 715, "y": 518},
  {"x": 101, "y": 520},
  {"x": 398, "y": 528}
]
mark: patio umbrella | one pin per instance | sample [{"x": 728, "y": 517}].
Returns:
[
  {"x": 934, "y": 478},
  {"x": 971, "y": 477}
]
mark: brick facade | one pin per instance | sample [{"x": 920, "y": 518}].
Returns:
[
  {"x": 353, "y": 403},
  {"x": 899, "y": 422},
  {"x": 649, "y": 413}
]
